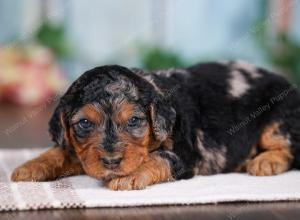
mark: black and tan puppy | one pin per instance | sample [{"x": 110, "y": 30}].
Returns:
[{"x": 133, "y": 128}]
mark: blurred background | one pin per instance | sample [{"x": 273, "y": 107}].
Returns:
[{"x": 46, "y": 44}]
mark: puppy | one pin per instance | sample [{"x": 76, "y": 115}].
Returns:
[{"x": 133, "y": 128}]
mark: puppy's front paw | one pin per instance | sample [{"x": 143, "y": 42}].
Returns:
[
  {"x": 132, "y": 182},
  {"x": 30, "y": 172},
  {"x": 154, "y": 170},
  {"x": 267, "y": 164}
]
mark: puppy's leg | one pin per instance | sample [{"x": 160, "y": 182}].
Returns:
[
  {"x": 276, "y": 157},
  {"x": 50, "y": 165},
  {"x": 159, "y": 167}
]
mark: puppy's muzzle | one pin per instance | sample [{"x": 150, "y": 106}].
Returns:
[{"x": 111, "y": 162}]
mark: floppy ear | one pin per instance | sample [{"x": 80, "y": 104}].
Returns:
[
  {"x": 58, "y": 129},
  {"x": 162, "y": 118}
]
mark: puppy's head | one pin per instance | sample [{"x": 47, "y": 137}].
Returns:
[{"x": 111, "y": 117}]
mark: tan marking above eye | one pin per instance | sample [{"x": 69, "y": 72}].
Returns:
[
  {"x": 124, "y": 113},
  {"x": 90, "y": 112}
]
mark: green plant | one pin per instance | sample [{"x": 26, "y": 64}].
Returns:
[
  {"x": 285, "y": 53},
  {"x": 53, "y": 37},
  {"x": 154, "y": 58}
]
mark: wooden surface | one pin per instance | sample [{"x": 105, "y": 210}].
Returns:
[
  {"x": 241, "y": 211},
  {"x": 27, "y": 127}
]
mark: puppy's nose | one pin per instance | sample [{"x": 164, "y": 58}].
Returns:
[{"x": 110, "y": 162}]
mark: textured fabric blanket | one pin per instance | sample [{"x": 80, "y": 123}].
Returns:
[{"x": 83, "y": 191}]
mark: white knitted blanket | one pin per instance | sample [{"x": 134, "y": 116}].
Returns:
[{"x": 83, "y": 191}]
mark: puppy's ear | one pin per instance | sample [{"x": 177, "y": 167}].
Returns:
[
  {"x": 162, "y": 118},
  {"x": 58, "y": 128}
]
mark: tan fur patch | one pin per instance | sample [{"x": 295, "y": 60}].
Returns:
[
  {"x": 52, "y": 164},
  {"x": 90, "y": 112},
  {"x": 135, "y": 152},
  {"x": 153, "y": 170},
  {"x": 124, "y": 113},
  {"x": 89, "y": 154},
  {"x": 272, "y": 138},
  {"x": 276, "y": 157}
]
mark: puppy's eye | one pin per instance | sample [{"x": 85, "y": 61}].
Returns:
[
  {"x": 134, "y": 122},
  {"x": 85, "y": 124},
  {"x": 83, "y": 128}
]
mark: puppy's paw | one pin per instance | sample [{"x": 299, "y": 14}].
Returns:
[
  {"x": 267, "y": 164},
  {"x": 30, "y": 172},
  {"x": 132, "y": 182}
]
